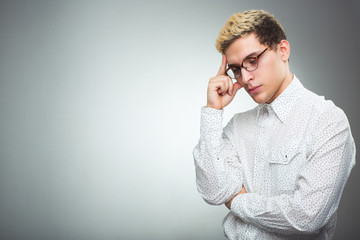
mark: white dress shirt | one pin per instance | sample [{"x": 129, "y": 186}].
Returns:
[{"x": 293, "y": 157}]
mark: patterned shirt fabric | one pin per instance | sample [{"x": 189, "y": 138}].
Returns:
[{"x": 293, "y": 157}]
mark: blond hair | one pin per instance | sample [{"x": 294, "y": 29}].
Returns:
[{"x": 263, "y": 24}]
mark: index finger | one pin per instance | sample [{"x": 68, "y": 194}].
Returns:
[{"x": 222, "y": 68}]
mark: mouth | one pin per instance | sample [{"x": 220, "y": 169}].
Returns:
[{"x": 254, "y": 89}]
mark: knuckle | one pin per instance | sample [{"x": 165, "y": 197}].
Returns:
[{"x": 214, "y": 79}]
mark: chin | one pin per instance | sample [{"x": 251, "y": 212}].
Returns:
[{"x": 259, "y": 99}]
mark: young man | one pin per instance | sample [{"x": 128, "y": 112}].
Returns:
[{"x": 281, "y": 167}]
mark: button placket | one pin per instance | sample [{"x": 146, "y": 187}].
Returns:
[{"x": 261, "y": 150}]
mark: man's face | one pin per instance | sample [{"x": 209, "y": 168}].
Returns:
[{"x": 267, "y": 81}]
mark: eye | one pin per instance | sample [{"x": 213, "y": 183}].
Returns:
[
  {"x": 251, "y": 61},
  {"x": 250, "y": 64},
  {"x": 236, "y": 71}
]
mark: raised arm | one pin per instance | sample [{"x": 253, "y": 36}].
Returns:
[{"x": 218, "y": 168}]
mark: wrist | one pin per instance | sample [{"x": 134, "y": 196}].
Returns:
[{"x": 217, "y": 108}]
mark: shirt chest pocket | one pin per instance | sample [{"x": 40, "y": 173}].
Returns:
[{"x": 285, "y": 164}]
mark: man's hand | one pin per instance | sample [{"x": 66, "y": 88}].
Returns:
[
  {"x": 221, "y": 89},
  {"x": 228, "y": 204}
]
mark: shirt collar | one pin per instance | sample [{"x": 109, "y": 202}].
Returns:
[{"x": 282, "y": 105}]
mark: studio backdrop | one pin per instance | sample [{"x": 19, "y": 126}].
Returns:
[{"x": 100, "y": 110}]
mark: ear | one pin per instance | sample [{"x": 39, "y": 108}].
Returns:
[{"x": 284, "y": 50}]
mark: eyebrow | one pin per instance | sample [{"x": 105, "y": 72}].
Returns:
[{"x": 249, "y": 55}]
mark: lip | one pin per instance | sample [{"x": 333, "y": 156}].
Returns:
[{"x": 255, "y": 89}]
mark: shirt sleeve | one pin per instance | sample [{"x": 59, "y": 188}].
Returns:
[
  {"x": 318, "y": 188},
  {"x": 218, "y": 168}
]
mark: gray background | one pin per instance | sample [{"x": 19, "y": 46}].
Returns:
[{"x": 100, "y": 104}]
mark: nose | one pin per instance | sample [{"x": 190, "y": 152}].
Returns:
[{"x": 246, "y": 76}]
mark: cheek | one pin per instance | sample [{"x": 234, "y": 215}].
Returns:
[
  {"x": 272, "y": 73},
  {"x": 267, "y": 69},
  {"x": 267, "y": 74},
  {"x": 270, "y": 79},
  {"x": 273, "y": 67}
]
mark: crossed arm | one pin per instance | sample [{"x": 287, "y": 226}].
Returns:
[
  {"x": 228, "y": 204},
  {"x": 318, "y": 189}
]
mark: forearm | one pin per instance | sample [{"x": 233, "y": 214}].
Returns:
[
  {"x": 284, "y": 214},
  {"x": 218, "y": 169},
  {"x": 317, "y": 194}
]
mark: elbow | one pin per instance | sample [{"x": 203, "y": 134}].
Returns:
[
  {"x": 214, "y": 193},
  {"x": 309, "y": 229},
  {"x": 310, "y": 225},
  {"x": 215, "y": 198},
  {"x": 316, "y": 224}
]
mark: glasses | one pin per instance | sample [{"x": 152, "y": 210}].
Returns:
[{"x": 249, "y": 64}]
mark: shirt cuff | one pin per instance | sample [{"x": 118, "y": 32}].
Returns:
[
  {"x": 241, "y": 206},
  {"x": 211, "y": 119}
]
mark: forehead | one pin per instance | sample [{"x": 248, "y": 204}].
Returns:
[{"x": 242, "y": 47}]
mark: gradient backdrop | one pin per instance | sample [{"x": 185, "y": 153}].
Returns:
[{"x": 100, "y": 107}]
